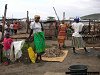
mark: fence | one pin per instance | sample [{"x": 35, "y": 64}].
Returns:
[{"x": 91, "y": 34}]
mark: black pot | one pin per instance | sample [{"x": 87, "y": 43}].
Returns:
[{"x": 78, "y": 70}]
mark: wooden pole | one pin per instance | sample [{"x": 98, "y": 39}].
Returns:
[
  {"x": 94, "y": 37},
  {"x": 63, "y": 15},
  {"x": 89, "y": 26},
  {"x": 56, "y": 14},
  {"x": 27, "y": 22},
  {"x": 12, "y": 18},
  {"x": 4, "y": 18}
]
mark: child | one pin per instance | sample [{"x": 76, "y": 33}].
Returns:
[{"x": 7, "y": 45}]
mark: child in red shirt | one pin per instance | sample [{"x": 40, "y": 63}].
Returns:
[{"x": 7, "y": 45}]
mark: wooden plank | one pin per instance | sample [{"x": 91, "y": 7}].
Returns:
[{"x": 20, "y": 36}]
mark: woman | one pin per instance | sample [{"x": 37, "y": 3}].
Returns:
[
  {"x": 77, "y": 40},
  {"x": 61, "y": 34},
  {"x": 39, "y": 39}
]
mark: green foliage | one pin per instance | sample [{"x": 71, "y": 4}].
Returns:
[
  {"x": 31, "y": 44},
  {"x": 27, "y": 45},
  {"x": 25, "y": 56}
]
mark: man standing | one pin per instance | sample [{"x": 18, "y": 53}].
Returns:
[{"x": 77, "y": 40}]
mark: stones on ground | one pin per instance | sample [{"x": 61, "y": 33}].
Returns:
[{"x": 53, "y": 52}]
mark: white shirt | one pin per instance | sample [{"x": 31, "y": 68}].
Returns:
[
  {"x": 5, "y": 26},
  {"x": 36, "y": 27},
  {"x": 77, "y": 28},
  {"x": 11, "y": 26}
]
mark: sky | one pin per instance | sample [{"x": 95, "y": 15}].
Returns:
[{"x": 44, "y": 8}]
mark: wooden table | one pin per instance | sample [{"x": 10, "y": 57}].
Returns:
[{"x": 20, "y": 36}]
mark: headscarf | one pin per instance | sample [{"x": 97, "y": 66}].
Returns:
[
  {"x": 76, "y": 20},
  {"x": 36, "y": 17}
]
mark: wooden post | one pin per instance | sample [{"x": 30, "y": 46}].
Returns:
[
  {"x": 94, "y": 27},
  {"x": 27, "y": 22},
  {"x": 89, "y": 26},
  {"x": 12, "y": 18},
  {"x": 3, "y": 19},
  {"x": 63, "y": 15},
  {"x": 94, "y": 37}
]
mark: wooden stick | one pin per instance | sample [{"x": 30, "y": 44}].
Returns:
[
  {"x": 4, "y": 18},
  {"x": 27, "y": 22},
  {"x": 56, "y": 14},
  {"x": 63, "y": 15}
]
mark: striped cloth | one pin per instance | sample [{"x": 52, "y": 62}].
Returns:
[
  {"x": 78, "y": 42},
  {"x": 62, "y": 33}
]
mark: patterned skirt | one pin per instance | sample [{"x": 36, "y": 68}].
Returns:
[
  {"x": 61, "y": 39},
  {"x": 61, "y": 36},
  {"x": 39, "y": 43},
  {"x": 78, "y": 42}
]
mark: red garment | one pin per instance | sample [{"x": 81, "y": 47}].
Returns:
[
  {"x": 62, "y": 33},
  {"x": 15, "y": 26},
  {"x": 7, "y": 43}
]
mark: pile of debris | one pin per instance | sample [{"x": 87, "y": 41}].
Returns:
[{"x": 53, "y": 52}]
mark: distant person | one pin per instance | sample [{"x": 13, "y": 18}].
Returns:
[
  {"x": 7, "y": 29},
  {"x": 38, "y": 35},
  {"x": 62, "y": 34},
  {"x": 12, "y": 28},
  {"x": 15, "y": 27},
  {"x": 77, "y": 40},
  {"x": 7, "y": 46}
]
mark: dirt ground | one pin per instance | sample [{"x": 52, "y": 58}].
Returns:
[{"x": 55, "y": 68}]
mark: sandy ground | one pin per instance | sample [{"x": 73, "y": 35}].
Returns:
[{"x": 55, "y": 68}]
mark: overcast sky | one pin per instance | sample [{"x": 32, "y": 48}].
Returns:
[{"x": 44, "y": 8}]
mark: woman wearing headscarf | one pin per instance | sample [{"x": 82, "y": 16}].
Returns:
[
  {"x": 39, "y": 39},
  {"x": 77, "y": 40},
  {"x": 62, "y": 34}
]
